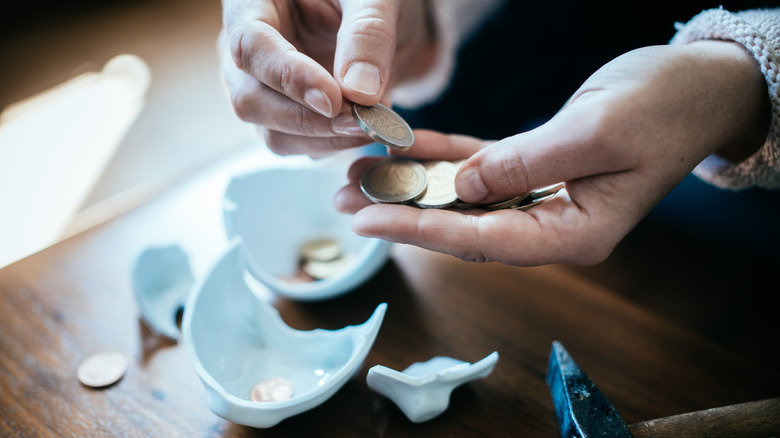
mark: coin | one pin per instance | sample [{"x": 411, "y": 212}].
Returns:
[
  {"x": 273, "y": 389},
  {"x": 384, "y": 126},
  {"x": 102, "y": 369},
  {"x": 440, "y": 192},
  {"x": 534, "y": 202},
  {"x": 509, "y": 203},
  {"x": 397, "y": 180},
  {"x": 394, "y": 180},
  {"x": 321, "y": 250},
  {"x": 545, "y": 191},
  {"x": 322, "y": 269}
]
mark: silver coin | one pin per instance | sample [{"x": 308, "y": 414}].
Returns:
[
  {"x": 273, "y": 389},
  {"x": 394, "y": 181},
  {"x": 534, "y": 202},
  {"x": 545, "y": 191},
  {"x": 322, "y": 269},
  {"x": 321, "y": 250},
  {"x": 509, "y": 203},
  {"x": 102, "y": 369},
  {"x": 384, "y": 126},
  {"x": 440, "y": 192},
  {"x": 460, "y": 205}
]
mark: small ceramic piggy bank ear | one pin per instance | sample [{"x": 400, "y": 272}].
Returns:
[{"x": 422, "y": 391}]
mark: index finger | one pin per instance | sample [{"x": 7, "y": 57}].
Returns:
[
  {"x": 258, "y": 47},
  {"x": 557, "y": 231},
  {"x": 432, "y": 145}
]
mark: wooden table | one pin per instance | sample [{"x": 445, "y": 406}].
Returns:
[{"x": 75, "y": 299}]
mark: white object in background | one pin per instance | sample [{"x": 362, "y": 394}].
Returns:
[
  {"x": 422, "y": 390},
  {"x": 54, "y": 147}
]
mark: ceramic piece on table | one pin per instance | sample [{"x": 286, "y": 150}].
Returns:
[
  {"x": 162, "y": 280},
  {"x": 422, "y": 391},
  {"x": 237, "y": 340},
  {"x": 275, "y": 211}
]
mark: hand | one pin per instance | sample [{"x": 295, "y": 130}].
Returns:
[
  {"x": 291, "y": 66},
  {"x": 630, "y": 134}
]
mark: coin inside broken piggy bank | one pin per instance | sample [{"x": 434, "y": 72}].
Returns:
[{"x": 293, "y": 240}]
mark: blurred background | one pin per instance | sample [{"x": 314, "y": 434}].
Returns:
[{"x": 84, "y": 138}]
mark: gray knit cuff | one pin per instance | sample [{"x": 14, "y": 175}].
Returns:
[{"x": 759, "y": 32}]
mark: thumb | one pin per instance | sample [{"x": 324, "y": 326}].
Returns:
[
  {"x": 566, "y": 148},
  {"x": 365, "y": 48}
]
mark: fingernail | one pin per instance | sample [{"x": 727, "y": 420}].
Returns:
[
  {"x": 344, "y": 124},
  {"x": 469, "y": 185},
  {"x": 363, "y": 77},
  {"x": 318, "y": 101}
]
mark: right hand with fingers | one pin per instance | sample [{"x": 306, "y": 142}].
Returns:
[{"x": 292, "y": 67}]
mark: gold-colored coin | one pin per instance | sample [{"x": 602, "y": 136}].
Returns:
[
  {"x": 440, "y": 192},
  {"x": 102, "y": 369},
  {"x": 384, "y": 126},
  {"x": 509, "y": 203},
  {"x": 394, "y": 181},
  {"x": 322, "y": 269},
  {"x": 273, "y": 389},
  {"x": 321, "y": 250}
]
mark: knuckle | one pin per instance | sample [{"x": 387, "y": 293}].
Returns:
[
  {"x": 509, "y": 172},
  {"x": 239, "y": 50},
  {"x": 284, "y": 77},
  {"x": 303, "y": 120},
  {"x": 256, "y": 53},
  {"x": 475, "y": 227},
  {"x": 373, "y": 30},
  {"x": 242, "y": 106},
  {"x": 275, "y": 141}
]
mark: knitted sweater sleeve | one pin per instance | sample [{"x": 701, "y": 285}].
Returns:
[{"x": 759, "y": 32}]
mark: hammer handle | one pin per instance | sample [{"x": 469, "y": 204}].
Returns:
[{"x": 753, "y": 419}]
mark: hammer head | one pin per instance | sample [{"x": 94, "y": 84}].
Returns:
[{"x": 581, "y": 409}]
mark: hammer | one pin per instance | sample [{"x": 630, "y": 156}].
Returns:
[{"x": 583, "y": 411}]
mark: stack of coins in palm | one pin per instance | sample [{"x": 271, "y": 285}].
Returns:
[
  {"x": 428, "y": 184},
  {"x": 431, "y": 184}
]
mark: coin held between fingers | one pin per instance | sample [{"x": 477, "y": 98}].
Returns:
[{"x": 384, "y": 126}]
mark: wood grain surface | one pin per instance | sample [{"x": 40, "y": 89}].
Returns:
[{"x": 75, "y": 299}]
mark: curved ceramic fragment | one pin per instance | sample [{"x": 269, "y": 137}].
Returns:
[
  {"x": 422, "y": 391},
  {"x": 275, "y": 211},
  {"x": 162, "y": 280},
  {"x": 236, "y": 340}
]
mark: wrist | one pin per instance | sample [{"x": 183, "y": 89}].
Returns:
[{"x": 758, "y": 117}]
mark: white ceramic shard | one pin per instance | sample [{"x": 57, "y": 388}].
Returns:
[
  {"x": 236, "y": 340},
  {"x": 422, "y": 391},
  {"x": 275, "y": 211},
  {"x": 162, "y": 280}
]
